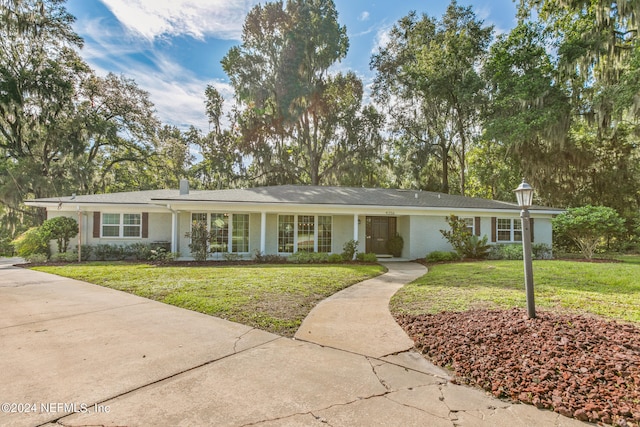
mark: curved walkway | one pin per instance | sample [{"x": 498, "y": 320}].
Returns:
[{"x": 358, "y": 320}]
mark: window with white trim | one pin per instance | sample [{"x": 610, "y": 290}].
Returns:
[
  {"x": 508, "y": 230},
  {"x": 324, "y": 234},
  {"x": 471, "y": 225},
  {"x": 240, "y": 234},
  {"x": 309, "y": 233},
  {"x": 219, "y": 231},
  {"x": 121, "y": 225},
  {"x": 306, "y": 232},
  {"x": 286, "y": 233},
  {"x": 226, "y": 231}
]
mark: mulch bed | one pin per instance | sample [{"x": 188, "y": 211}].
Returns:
[{"x": 579, "y": 366}]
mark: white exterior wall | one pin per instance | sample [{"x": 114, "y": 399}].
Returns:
[
  {"x": 342, "y": 232},
  {"x": 159, "y": 227},
  {"x": 426, "y": 236},
  {"x": 420, "y": 232},
  {"x": 542, "y": 231}
]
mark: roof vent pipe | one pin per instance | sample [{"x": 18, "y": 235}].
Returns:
[{"x": 184, "y": 187}]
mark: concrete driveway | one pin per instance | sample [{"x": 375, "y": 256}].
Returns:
[{"x": 77, "y": 354}]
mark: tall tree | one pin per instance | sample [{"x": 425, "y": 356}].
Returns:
[
  {"x": 117, "y": 124},
  {"x": 39, "y": 73},
  {"x": 596, "y": 46},
  {"x": 298, "y": 121},
  {"x": 222, "y": 162},
  {"x": 528, "y": 115},
  {"x": 427, "y": 75},
  {"x": 63, "y": 129}
]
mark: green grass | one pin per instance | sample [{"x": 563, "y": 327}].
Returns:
[
  {"x": 606, "y": 289},
  {"x": 274, "y": 298}
]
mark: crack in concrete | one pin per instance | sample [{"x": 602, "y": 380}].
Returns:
[
  {"x": 237, "y": 341},
  {"x": 380, "y": 380},
  {"x": 320, "y": 419},
  {"x": 59, "y": 419},
  {"x": 414, "y": 407},
  {"x": 75, "y": 315}
]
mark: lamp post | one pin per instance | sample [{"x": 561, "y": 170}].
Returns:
[{"x": 524, "y": 194}]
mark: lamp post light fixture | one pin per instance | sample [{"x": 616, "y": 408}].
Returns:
[{"x": 524, "y": 194}]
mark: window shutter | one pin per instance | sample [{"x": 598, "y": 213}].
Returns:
[
  {"x": 96, "y": 224},
  {"x": 531, "y": 228},
  {"x": 477, "y": 226},
  {"x": 145, "y": 225},
  {"x": 493, "y": 228}
]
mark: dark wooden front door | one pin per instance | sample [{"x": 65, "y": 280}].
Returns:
[{"x": 379, "y": 230}]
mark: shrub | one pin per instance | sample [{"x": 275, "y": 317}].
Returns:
[
  {"x": 442, "y": 256},
  {"x": 395, "y": 245},
  {"x": 61, "y": 229},
  {"x": 508, "y": 252},
  {"x": 335, "y": 258},
  {"x": 304, "y": 257},
  {"x": 36, "y": 258},
  {"x": 462, "y": 241},
  {"x": 87, "y": 251},
  {"x": 138, "y": 251},
  {"x": 161, "y": 255},
  {"x": 542, "y": 251},
  {"x": 514, "y": 251},
  {"x": 200, "y": 237},
  {"x": 231, "y": 257},
  {"x": 104, "y": 252},
  {"x": 31, "y": 242},
  {"x": 588, "y": 226},
  {"x": 476, "y": 248},
  {"x": 362, "y": 257},
  {"x": 261, "y": 258},
  {"x": 64, "y": 257},
  {"x": 349, "y": 249}
]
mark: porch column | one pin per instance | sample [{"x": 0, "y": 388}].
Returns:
[
  {"x": 263, "y": 232},
  {"x": 79, "y": 234},
  {"x": 174, "y": 231},
  {"x": 355, "y": 226}
]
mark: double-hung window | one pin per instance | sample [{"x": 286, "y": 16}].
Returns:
[
  {"x": 122, "y": 225},
  {"x": 509, "y": 230},
  {"x": 470, "y": 222}
]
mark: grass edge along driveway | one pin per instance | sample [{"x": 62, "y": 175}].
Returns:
[
  {"x": 275, "y": 298},
  {"x": 610, "y": 290}
]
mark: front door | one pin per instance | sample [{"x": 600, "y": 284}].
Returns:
[{"x": 379, "y": 230}]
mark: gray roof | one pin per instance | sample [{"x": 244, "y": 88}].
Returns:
[
  {"x": 298, "y": 194},
  {"x": 350, "y": 196},
  {"x": 131, "y": 197}
]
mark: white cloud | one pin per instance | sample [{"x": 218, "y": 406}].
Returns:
[
  {"x": 364, "y": 16},
  {"x": 178, "y": 94},
  {"x": 382, "y": 38},
  {"x": 195, "y": 18}
]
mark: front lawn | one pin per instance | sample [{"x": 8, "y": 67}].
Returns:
[
  {"x": 274, "y": 298},
  {"x": 611, "y": 290}
]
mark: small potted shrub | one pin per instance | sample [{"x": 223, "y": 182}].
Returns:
[{"x": 395, "y": 245}]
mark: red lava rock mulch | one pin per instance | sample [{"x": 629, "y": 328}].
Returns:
[{"x": 578, "y": 366}]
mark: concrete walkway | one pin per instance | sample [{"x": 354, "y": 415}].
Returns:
[
  {"x": 357, "y": 319},
  {"x": 77, "y": 354}
]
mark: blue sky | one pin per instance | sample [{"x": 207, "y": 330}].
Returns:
[{"x": 173, "y": 48}]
